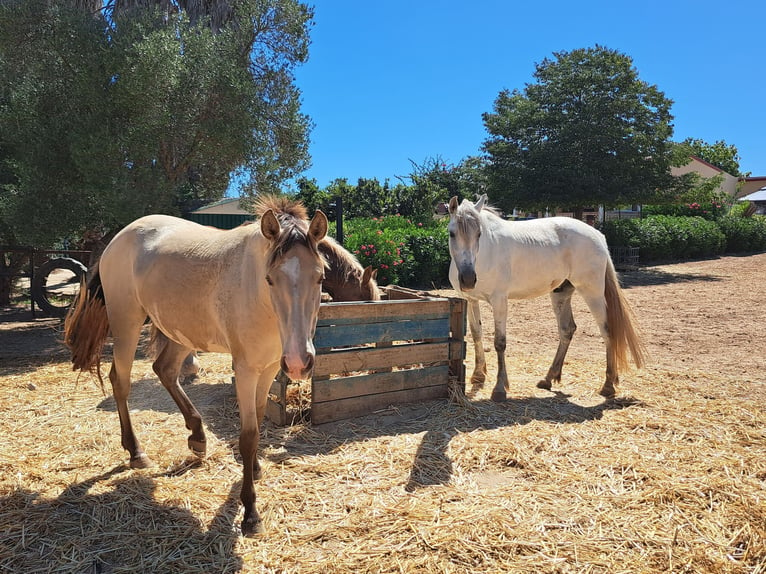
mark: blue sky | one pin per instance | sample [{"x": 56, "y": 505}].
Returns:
[{"x": 398, "y": 80}]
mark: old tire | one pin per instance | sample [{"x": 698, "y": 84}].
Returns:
[{"x": 40, "y": 293}]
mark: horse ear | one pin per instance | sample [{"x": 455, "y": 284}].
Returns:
[
  {"x": 318, "y": 226},
  {"x": 270, "y": 225},
  {"x": 480, "y": 202},
  {"x": 453, "y": 205},
  {"x": 368, "y": 274}
]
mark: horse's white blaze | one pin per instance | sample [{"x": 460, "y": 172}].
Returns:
[{"x": 292, "y": 269}]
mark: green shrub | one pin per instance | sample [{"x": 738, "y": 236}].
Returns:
[
  {"x": 744, "y": 234},
  {"x": 665, "y": 237},
  {"x": 407, "y": 253}
]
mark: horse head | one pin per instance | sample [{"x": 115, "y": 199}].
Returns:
[
  {"x": 464, "y": 233},
  {"x": 295, "y": 274}
]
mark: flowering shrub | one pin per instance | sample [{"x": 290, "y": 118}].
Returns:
[{"x": 405, "y": 252}]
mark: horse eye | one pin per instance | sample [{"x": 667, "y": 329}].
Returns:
[
  {"x": 452, "y": 234},
  {"x": 269, "y": 280},
  {"x": 321, "y": 280}
]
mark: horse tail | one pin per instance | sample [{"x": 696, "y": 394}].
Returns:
[
  {"x": 86, "y": 326},
  {"x": 621, "y": 323}
]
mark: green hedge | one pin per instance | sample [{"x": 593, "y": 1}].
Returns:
[
  {"x": 669, "y": 238},
  {"x": 744, "y": 234}
]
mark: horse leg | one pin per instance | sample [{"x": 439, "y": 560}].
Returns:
[
  {"x": 190, "y": 369},
  {"x": 123, "y": 352},
  {"x": 561, "y": 300},
  {"x": 500, "y": 316},
  {"x": 249, "y": 437},
  {"x": 262, "y": 390},
  {"x": 167, "y": 366},
  {"x": 474, "y": 322},
  {"x": 597, "y": 305}
]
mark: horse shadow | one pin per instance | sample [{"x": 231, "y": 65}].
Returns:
[
  {"x": 431, "y": 465},
  {"x": 439, "y": 421},
  {"x": 649, "y": 276},
  {"x": 108, "y": 523}
]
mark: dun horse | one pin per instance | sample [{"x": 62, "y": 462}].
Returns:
[
  {"x": 253, "y": 291},
  {"x": 494, "y": 260}
]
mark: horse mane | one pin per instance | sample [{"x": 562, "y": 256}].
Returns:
[
  {"x": 340, "y": 261},
  {"x": 293, "y": 217},
  {"x": 468, "y": 218},
  {"x": 281, "y": 206}
]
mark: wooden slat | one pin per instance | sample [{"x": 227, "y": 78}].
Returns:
[
  {"x": 331, "y": 313},
  {"x": 350, "y": 335},
  {"x": 339, "y": 361},
  {"x": 358, "y": 406},
  {"x": 377, "y": 383}
]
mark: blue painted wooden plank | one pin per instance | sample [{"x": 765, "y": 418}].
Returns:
[{"x": 350, "y": 335}]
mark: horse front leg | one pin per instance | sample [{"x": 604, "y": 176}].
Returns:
[
  {"x": 167, "y": 367},
  {"x": 561, "y": 301},
  {"x": 249, "y": 437},
  {"x": 480, "y": 363},
  {"x": 500, "y": 316}
]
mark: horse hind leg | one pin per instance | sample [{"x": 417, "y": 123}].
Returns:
[
  {"x": 561, "y": 301},
  {"x": 167, "y": 366},
  {"x": 190, "y": 369},
  {"x": 123, "y": 353},
  {"x": 597, "y": 306}
]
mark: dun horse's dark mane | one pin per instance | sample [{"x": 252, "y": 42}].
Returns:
[
  {"x": 293, "y": 217},
  {"x": 281, "y": 205}
]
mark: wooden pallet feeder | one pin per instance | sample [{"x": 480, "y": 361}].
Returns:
[{"x": 406, "y": 348}]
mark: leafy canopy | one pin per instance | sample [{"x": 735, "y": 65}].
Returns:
[
  {"x": 111, "y": 112},
  {"x": 588, "y": 131}
]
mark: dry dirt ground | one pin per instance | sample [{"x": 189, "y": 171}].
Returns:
[{"x": 669, "y": 477}]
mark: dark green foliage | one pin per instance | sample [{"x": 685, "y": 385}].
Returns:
[
  {"x": 667, "y": 238},
  {"x": 744, "y": 234},
  {"x": 404, "y": 252},
  {"x": 588, "y": 132},
  {"x": 106, "y": 115}
]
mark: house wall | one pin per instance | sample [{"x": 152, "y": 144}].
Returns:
[
  {"x": 706, "y": 170},
  {"x": 750, "y": 184}
]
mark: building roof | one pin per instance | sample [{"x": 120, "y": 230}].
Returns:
[
  {"x": 229, "y": 205},
  {"x": 759, "y": 195}
]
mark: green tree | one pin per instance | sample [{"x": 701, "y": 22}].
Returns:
[
  {"x": 108, "y": 114},
  {"x": 589, "y": 131},
  {"x": 719, "y": 154}
]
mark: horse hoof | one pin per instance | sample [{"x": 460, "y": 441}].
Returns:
[
  {"x": 477, "y": 379},
  {"x": 607, "y": 392},
  {"x": 141, "y": 461},
  {"x": 499, "y": 396},
  {"x": 252, "y": 526},
  {"x": 198, "y": 447},
  {"x": 543, "y": 384}
]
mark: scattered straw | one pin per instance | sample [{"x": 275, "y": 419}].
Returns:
[{"x": 668, "y": 478}]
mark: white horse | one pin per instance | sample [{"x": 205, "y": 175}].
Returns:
[
  {"x": 494, "y": 260},
  {"x": 253, "y": 291}
]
